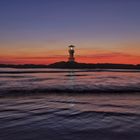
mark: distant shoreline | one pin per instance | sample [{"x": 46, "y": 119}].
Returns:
[{"x": 73, "y": 65}]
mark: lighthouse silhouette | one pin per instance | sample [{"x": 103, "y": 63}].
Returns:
[{"x": 71, "y": 53}]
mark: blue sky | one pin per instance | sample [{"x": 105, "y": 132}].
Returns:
[{"x": 42, "y": 19}]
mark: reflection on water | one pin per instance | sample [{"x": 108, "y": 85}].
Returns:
[
  {"x": 69, "y": 80},
  {"x": 61, "y": 115}
]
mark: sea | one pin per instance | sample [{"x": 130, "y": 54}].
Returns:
[{"x": 69, "y": 104}]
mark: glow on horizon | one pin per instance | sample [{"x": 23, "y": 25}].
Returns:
[{"x": 93, "y": 52}]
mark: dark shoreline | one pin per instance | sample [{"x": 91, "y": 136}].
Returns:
[
  {"x": 68, "y": 71},
  {"x": 74, "y": 65}
]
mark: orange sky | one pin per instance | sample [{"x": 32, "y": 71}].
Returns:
[
  {"x": 87, "y": 52},
  {"x": 47, "y": 60}
]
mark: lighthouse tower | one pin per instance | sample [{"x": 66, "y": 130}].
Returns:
[{"x": 71, "y": 54}]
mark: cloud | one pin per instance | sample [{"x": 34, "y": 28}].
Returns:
[
  {"x": 107, "y": 55},
  {"x": 40, "y": 57}
]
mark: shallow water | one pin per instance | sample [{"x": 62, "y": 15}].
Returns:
[
  {"x": 47, "y": 80},
  {"x": 62, "y": 117},
  {"x": 77, "y": 112}
]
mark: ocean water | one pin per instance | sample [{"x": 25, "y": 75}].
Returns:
[{"x": 57, "y": 104}]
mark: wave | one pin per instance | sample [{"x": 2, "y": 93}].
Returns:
[
  {"x": 40, "y": 91},
  {"x": 66, "y": 71},
  {"x": 37, "y": 79},
  {"x": 73, "y": 114},
  {"x": 14, "y": 76},
  {"x": 71, "y": 75},
  {"x": 67, "y": 102}
]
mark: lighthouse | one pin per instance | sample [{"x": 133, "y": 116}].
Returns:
[{"x": 71, "y": 53}]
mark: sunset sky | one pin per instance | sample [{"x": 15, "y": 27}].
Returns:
[{"x": 40, "y": 31}]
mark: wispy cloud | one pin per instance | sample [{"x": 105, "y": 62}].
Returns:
[{"x": 108, "y": 57}]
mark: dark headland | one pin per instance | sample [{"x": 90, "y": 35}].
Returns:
[{"x": 74, "y": 65}]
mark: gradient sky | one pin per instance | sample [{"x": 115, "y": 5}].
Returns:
[{"x": 39, "y": 31}]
